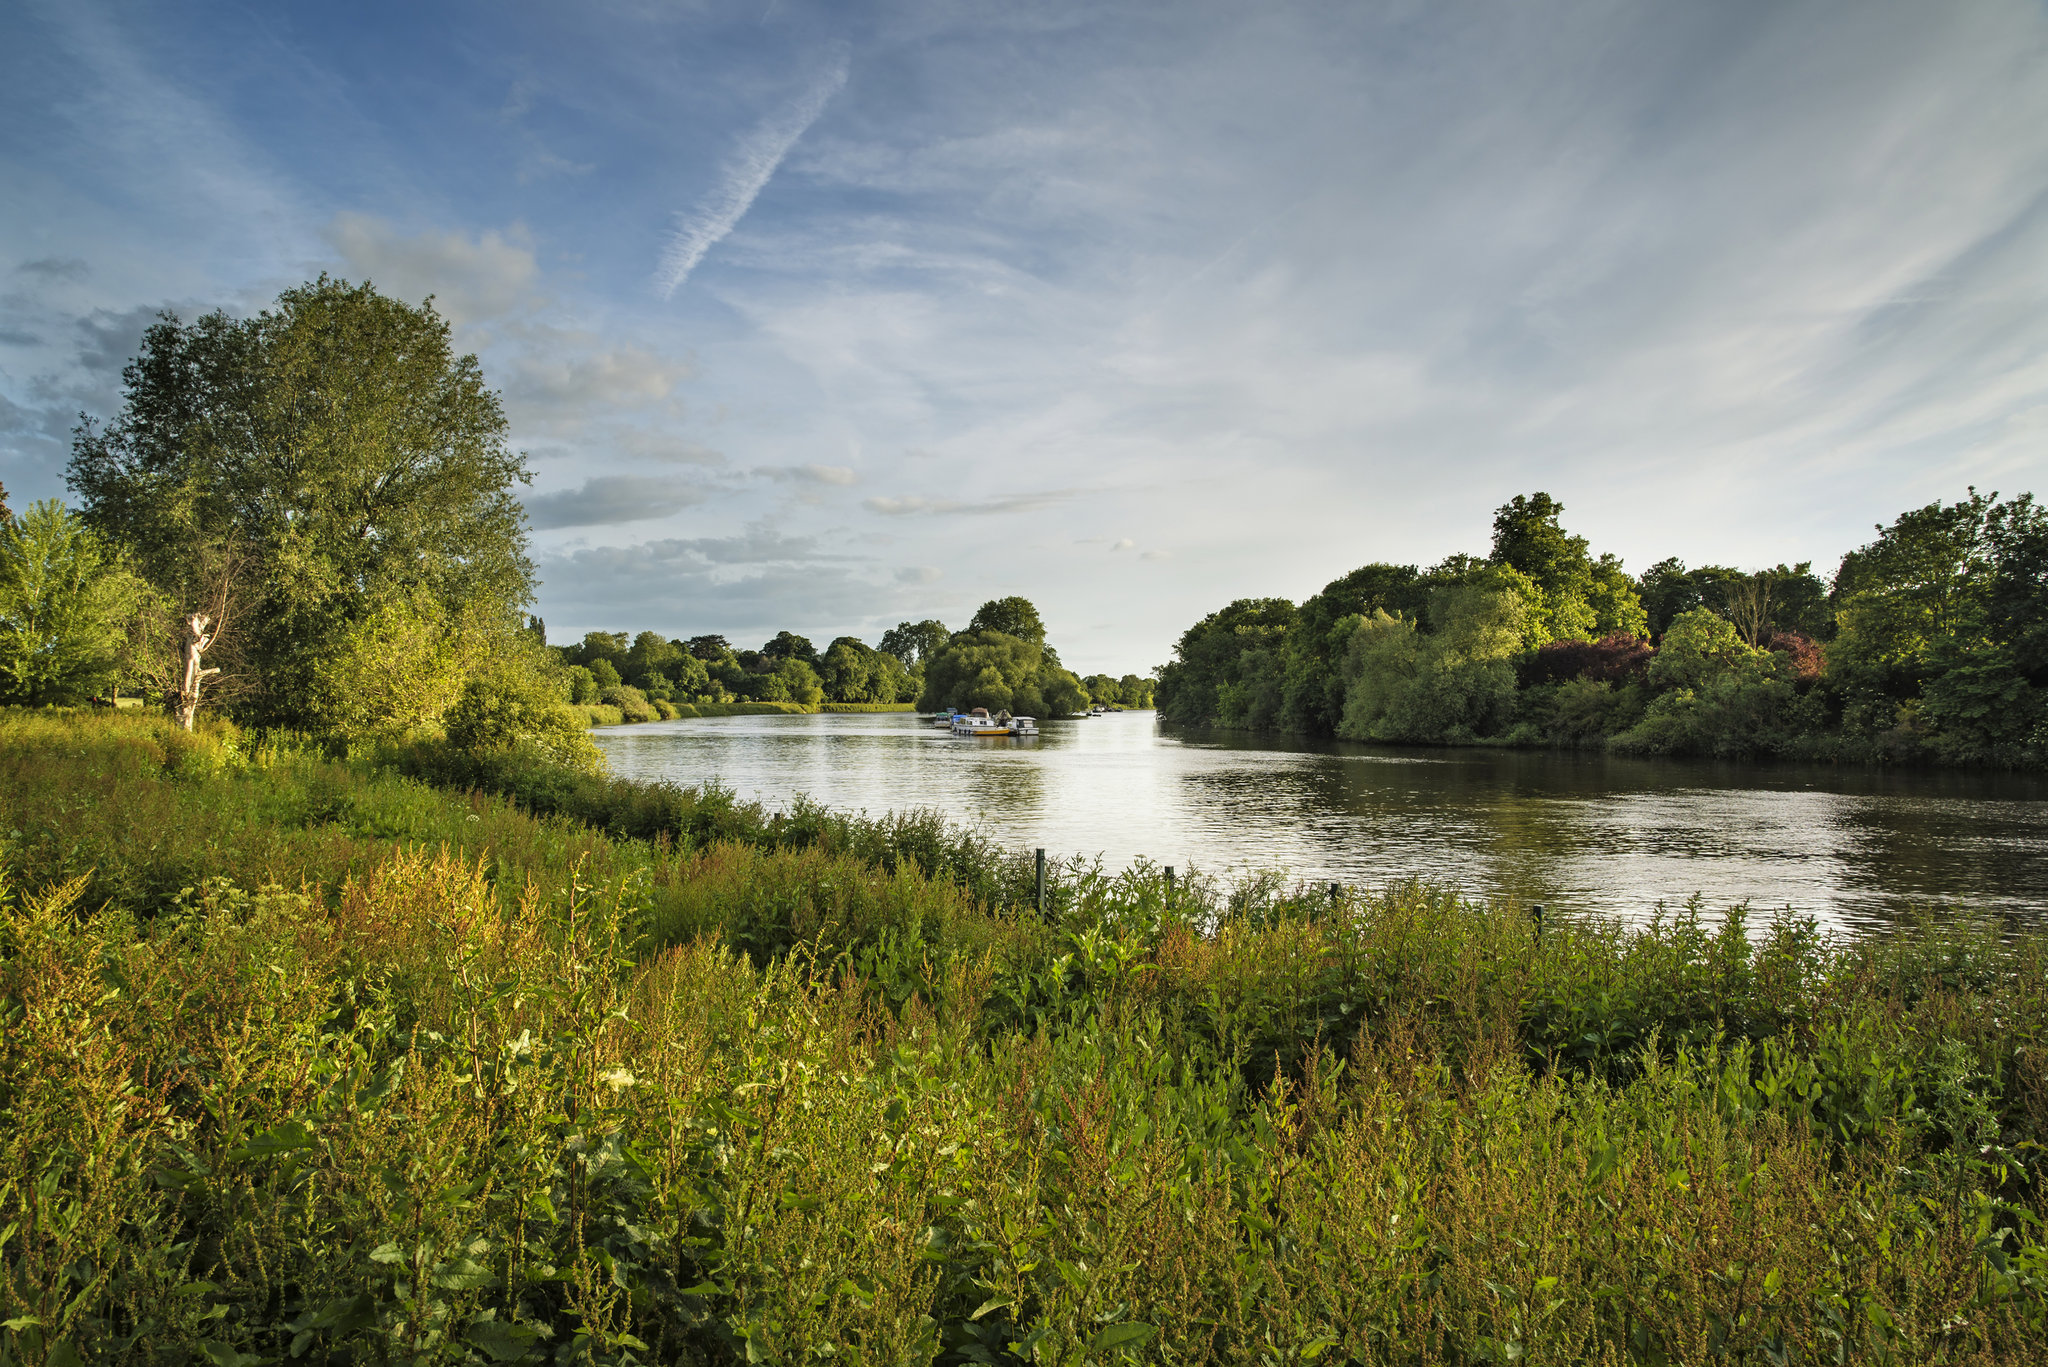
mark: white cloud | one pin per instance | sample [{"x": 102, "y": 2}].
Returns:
[
  {"x": 910, "y": 504},
  {"x": 472, "y": 279}
]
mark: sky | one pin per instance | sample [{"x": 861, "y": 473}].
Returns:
[{"x": 824, "y": 316}]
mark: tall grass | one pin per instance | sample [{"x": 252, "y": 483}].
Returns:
[{"x": 305, "y": 1061}]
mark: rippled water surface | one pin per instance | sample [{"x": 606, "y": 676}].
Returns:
[{"x": 1582, "y": 832}]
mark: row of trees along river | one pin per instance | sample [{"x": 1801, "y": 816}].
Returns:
[
  {"x": 1930, "y": 643},
  {"x": 308, "y": 520},
  {"x": 1001, "y": 660}
]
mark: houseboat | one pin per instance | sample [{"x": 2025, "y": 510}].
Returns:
[{"x": 979, "y": 723}]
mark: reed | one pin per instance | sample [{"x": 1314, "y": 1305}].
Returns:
[{"x": 306, "y": 1060}]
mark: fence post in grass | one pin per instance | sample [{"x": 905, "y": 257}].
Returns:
[
  {"x": 1169, "y": 887},
  {"x": 1336, "y": 894},
  {"x": 1041, "y": 884},
  {"x": 1536, "y": 912}
]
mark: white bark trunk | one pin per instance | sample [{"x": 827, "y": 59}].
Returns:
[{"x": 197, "y": 638}]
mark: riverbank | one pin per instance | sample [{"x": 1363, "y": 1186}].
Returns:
[
  {"x": 429, "y": 1053},
  {"x": 598, "y": 714}
]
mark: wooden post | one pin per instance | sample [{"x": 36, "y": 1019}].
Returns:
[
  {"x": 1336, "y": 893},
  {"x": 1536, "y": 911},
  {"x": 1041, "y": 884},
  {"x": 1169, "y": 885}
]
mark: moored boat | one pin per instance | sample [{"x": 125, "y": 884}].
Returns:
[{"x": 978, "y": 722}]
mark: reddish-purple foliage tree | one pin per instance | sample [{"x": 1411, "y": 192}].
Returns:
[
  {"x": 1611, "y": 659},
  {"x": 1801, "y": 651}
]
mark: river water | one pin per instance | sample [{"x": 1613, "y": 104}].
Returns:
[{"x": 1581, "y": 832}]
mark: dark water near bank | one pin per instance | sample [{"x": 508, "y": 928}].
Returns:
[{"x": 1591, "y": 833}]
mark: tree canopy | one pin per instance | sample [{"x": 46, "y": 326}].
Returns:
[{"x": 319, "y": 464}]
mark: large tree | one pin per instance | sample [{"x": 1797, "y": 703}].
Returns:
[{"x": 302, "y": 473}]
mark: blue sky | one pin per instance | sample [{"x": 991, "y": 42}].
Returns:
[{"x": 823, "y": 316}]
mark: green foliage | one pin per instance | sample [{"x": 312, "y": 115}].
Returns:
[
  {"x": 1701, "y": 646},
  {"x": 1210, "y": 661},
  {"x": 414, "y": 1076},
  {"x": 1931, "y": 644},
  {"x": 915, "y": 643},
  {"x": 1011, "y": 617},
  {"x": 1456, "y": 683},
  {"x": 986, "y": 667},
  {"x": 65, "y": 603},
  {"x": 309, "y": 466},
  {"x": 392, "y": 671},
  {"x": 512, "y": 706},
  {"x": 851, "y": 672},
  {"x": 1528, "y": 537}
]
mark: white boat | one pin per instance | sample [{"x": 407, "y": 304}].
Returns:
[{"x": 979, "y": 723}]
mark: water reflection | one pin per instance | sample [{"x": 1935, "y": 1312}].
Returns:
[{"x": 1589, "y": 832}]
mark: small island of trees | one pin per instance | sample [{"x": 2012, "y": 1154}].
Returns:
[{"x": 1929, "y": 644}]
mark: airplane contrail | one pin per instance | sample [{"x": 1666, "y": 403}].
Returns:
[{"x": 742, "y": 177}]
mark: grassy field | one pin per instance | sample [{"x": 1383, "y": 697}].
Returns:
[{"x": 431, "y": 1058}]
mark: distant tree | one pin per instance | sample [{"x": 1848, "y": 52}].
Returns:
[
  {"x": 1700, "y": 646},
  {"x": 6, "y": 514},
  {"x": 1312, "y": 687},
  {"x": 787, "y": 645},
  {"x": 847, "y": 671},
  {"x": 649, "y": 659},
  {"x": 915, "y": 643},
  {"x": 297, "y": 471},
  {"x": 65, "y": 601},
  {"x": 605, "y": 673},
  {"x": 1136, "y": 690},
  {"x": 1103, "y": 689},
  {"x": 1611, "y": 594},
  {"x": 601, "y": 645},
  {"x": 1528, "y": 537},
  {"x": 1012, "y": 616},
  {"x": 1222, "y": 657},
  {"x": 1456, "y": 683},
  {"x": 709, "y": 647},
  {"x": 792, "y": 680}
]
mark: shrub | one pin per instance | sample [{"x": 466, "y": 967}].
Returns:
[
  {"x": 630, "y": 701},
  {"x": 500, "y": 710},
  {"x": 1619, "y": 658}
]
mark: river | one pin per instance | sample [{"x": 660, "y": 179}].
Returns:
[{"x": 1587, "y": 833}]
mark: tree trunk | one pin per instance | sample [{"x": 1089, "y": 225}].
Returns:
[{"x": 185, "y": 707}]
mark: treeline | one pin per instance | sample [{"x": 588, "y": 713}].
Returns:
[
  {"x": 1000, "y": 661},
  {"x": 1929, "y": 644}
]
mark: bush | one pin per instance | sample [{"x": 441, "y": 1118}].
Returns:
[
  {"x": 1619, "y": 658},
  {"x": 501, "y": 710},
  {"x": 630, "y": 701}
]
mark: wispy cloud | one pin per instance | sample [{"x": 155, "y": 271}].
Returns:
[
  {"x": 1013, "y": 503},
  {"x": 741, "y": 179},
  {"x": 810, "y": 474}
]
